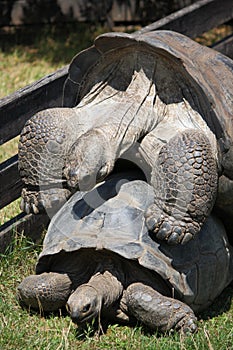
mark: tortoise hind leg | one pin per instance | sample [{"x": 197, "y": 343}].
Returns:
[
  {"x": 184, "y": 178},
  {"x": 47, "y": 292},
  {"x": 43, "y": 145},
  {"x": 157, "y": 311}
]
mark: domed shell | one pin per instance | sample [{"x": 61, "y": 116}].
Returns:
[{"x": 110, "y": 217}]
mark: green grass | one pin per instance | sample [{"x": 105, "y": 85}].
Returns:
[
  {"x": 24, "y": 59},
  {"x": 27, "y": 54}
]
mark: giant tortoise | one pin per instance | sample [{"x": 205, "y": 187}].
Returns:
[
  {"x": 158, "y": 99},
  {"x": 99, "y": 258}
]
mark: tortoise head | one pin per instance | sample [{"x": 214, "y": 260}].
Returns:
[
  {"x": 84, "y": 304},
  {"x": 89, "y": 160}
]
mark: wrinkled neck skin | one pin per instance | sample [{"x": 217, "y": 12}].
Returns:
[
  {"x": 102, "y": 290},
  {"x": 89, "y": 160},
  {"x": 108, "y": 286}
]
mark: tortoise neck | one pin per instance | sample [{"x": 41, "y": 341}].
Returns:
[{"x": 107, "y": 285}]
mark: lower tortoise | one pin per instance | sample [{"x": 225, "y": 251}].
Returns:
[{"x": 99, "y": 259}]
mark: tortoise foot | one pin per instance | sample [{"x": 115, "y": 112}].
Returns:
[
  {"x": 187, "y": 324},
  {"x": 159, "y": 312},
  {"x": 39, "y": 201},
  {"x": 167, "y": 228},
  {"x": 47, "y": 292}
]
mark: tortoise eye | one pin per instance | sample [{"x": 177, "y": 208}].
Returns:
[{"x": 86, "y": 308}]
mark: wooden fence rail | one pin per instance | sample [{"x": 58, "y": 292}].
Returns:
[
  {"x": 114, "y": 12},
  {"x": 18, "y": 107}
]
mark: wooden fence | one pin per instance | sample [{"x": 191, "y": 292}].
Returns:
[
  {"x": 113, "y": 12},
  {"x": 17, "y": 108}
]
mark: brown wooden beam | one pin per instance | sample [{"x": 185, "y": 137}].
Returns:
[
  {"x": 195, "y": 19},
  {"x": 18, "y": 107},
  {"x": 225, "y": 46},
  {"x": 10, "y": 182}
]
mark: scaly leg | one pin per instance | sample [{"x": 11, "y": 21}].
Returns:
[
  {"x": 184, "y": 178},
  {"x": 47, "y": 292},
  {"x": 43, "y": 146},
  {"x": 157, "y": 311}
]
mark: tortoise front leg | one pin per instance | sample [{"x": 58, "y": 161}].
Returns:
[
  {"x": 47, "y": 292},
  {"x": 157, "y": 311},
  {"x": 184, "y": 178},
  {"x": 43, "y": 146}
]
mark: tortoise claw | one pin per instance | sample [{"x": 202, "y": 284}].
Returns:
[
  {"x": 27, "y": 208},
  {"x": 22, "y": 204},
  {"x": 35, "y": 209},
  {"x": 36, "y": 202},
  {"x": 187, "y": 324},
  {"x": 167, "y": 228}
]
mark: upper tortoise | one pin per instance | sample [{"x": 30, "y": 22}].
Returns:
[
  {"x": 99, "y": 259},
  {"x": 158, "y": 99}
]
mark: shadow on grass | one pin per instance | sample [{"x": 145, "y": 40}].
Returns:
[
  {"x": 221, "y": 304},
  {"x": 53, "y": 43}
]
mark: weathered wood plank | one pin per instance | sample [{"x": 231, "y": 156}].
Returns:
[
  {"x": 18, "y": 107},
  {"x": 195, "y": 19},
  {"x": 10, "y": 182},
  {"x": 225, "y": 46},
  {"x": 31, "y": 225}
]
